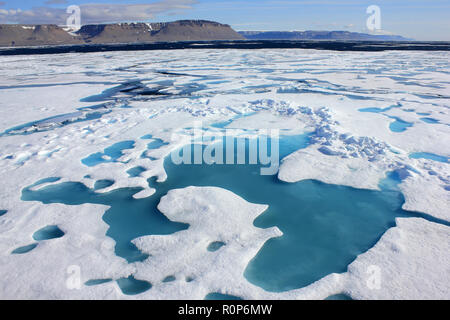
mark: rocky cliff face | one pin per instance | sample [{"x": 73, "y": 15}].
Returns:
[
  {"x": 186, "y": 30},
  {"x": 35, "y": 35},
  {"x": 195, "y": 31}
]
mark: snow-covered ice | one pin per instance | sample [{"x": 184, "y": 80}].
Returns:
[{"x": 60, "y": 109}]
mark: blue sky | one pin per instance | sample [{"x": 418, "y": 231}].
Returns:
[{"x": 421, "y": 20}]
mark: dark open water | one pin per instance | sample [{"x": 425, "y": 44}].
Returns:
[{"x": 241, "y": 44}]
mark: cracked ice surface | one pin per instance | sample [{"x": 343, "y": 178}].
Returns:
[{"x": 165, "y": 92}]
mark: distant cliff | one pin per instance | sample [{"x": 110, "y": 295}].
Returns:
[
  {"x": 185, "y": 30},
  {"x": 35, "y": 35},
  {"x": 318, "y": 35}
]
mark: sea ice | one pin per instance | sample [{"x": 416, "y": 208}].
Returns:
[{"x": 65, "y": 108}]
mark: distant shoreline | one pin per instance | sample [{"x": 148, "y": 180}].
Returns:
[{"x": 367, "y": 46}]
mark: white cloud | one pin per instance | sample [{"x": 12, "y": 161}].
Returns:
[
  {"x": 96, "y": 13},
  {"x": 56, "y": 2}
]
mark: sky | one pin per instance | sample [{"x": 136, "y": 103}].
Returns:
[{"x": 420, "y": 20}]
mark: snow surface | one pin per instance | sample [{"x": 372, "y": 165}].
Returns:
[{"x": 300, "y": 90}]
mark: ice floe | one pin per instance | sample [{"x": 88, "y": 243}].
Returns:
[{"x": 58, "y": 110}]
